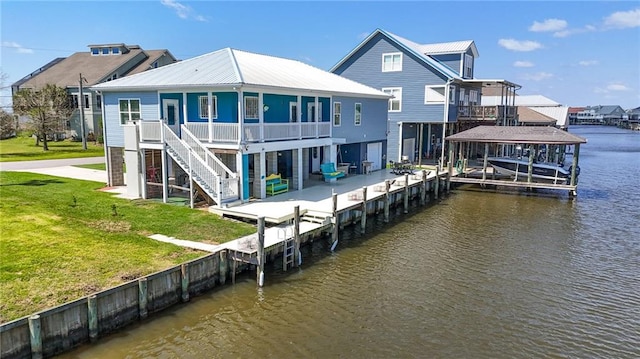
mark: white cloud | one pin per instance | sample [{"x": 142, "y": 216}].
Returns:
[
  {"x": 617, "y": 87},
  {"x": 523, "y": 64},
  {"x": 18, "y": 47},
  {"x": 183, "y": 11},
  {"x": 538, "y": 76},
  {"x": 517, "y": 45},
  {"x": 548, "y": 25},
  {"x": 623, "y": 19},
  {"x": 588, "y": 62}
]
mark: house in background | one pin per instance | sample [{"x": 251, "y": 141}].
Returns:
[
  {"x": 535, "y": 110},
  {"x": 223, "y": 122},
  {"x": 573, "y": 114},
  {"x": 602, "y": 115},
  {"x": 103, "y": 62},
  {"x": 434, "y": 91}
]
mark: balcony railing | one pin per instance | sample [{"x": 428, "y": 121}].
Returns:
[
  {"x": 255, "y": 132},
  {"x": 488, "y": 113}
]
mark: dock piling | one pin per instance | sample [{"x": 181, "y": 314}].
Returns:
[
  {"x": 35, "y": 333},
  {"x": 363, "y": 218},
  {"x": 387, "y": 185},
  {"x": 336, "y": 222},
  {"x": 92, "y": 314},
  {"x": 184, "y": 276},
  {"x": 142, "y": 298},
  {"x": 296, "y": 235},
  {"x": 406, "y": 193},
  {"x": 260, "y": 272}
]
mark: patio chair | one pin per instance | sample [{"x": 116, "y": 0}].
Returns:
[{"x": 330, "y": 173}]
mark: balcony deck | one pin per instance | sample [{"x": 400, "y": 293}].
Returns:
[{"x": 487, "y": 113}]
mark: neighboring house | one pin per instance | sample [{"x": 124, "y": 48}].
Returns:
[
  {"x": 229, "y": 119},
  {"x": 573, "y": 114},
  {"x": 535, "y": 110},
  {"x": 101, "y": 63},
  {"x": 433, "y": 87},
  {"x": 602, "y": 115},
  {"x": 633, "y": 119}
]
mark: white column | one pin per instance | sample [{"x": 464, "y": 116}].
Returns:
[
  {"x": 298, "y": 158},
  {"x": 263, "y": 170},
  {"x": 400, "y": 141},
  {"x": 240, "y": 117},
  {"x": 261, "y": 115},
  {"x": 240, "y": 172},
  {"x": 317, "y": 115},
  {"x": 184, "y": 108},
  {"x": 210, "y": 118}
]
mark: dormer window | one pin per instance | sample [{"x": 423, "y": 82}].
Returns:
[
  {"x": 468, "y": 66},
  {"x": 115, "y": 51},
  {"x": 95, "y": 51},
  {"x": 392, "y": 62},
  {"x": 105, "y": 51}
]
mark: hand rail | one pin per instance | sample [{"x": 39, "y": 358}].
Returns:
[{"x": 212, "y": 160}]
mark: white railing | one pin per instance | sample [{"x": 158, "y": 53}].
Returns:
[
  {"x": 211, "y": 159},
  {"x": 251, "y": 132},
  {"x": 220, "y": 132},
  {"x": 230, "y": 188},
  {"x": 150, "y": 131}
]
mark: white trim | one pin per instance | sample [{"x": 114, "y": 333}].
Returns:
[
  {"x": 257, "y": 114},
  {"x": 390, "y": 91},
  {"x": 293, "y": 104},
  {"x": 468, "y": 64},
  {"x": 129, "y": 109},
  {"x": 212, "y": 107},
  {"x": 357, "y": 116},
  {"x": 452, "y": 94},
  {"x": 394, "y": 66}
]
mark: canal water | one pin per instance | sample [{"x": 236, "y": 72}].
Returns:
[{"x": 497, "y": 274}]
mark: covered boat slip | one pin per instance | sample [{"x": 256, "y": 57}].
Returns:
[{"x": 514, "y": 142}]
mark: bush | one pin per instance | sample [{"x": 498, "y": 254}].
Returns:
[{"x": 7, "y": 125}]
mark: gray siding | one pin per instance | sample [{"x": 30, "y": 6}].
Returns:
[
  {"x": 453, "y": 61},
  {"x": 365, "y": 66},
  {"x": 115, "y": 134},
  {"x": 374, "y": 120}
]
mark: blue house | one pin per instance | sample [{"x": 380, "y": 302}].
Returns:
[
  {"x": 434, "y": 91},
  {"x": 222, "y": 123}
]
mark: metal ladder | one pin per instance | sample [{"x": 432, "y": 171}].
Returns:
[{"x": 289, "y": 249}]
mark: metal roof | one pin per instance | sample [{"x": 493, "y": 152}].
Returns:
[
  {"x": 455, "y": 47},
  {"x": 231, "y": 67},
  {"x": 559, "y": 113},
  {"x": 520, "y": 100},
  {"x": 517, "y": 134}
]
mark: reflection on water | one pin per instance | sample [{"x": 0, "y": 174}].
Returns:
[{"x": 491, "y": 275}]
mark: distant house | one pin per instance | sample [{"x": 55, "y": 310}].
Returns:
[
  {"x": 536, "y": 110},
  {"x": 101, "y": 63},
  {"x": 229, "y": 123},
  {"x": 433, "y": 87},
  {"x": 602, "y": 115},
  {"x": 633, "y": 119},
  {"x": 573, "y": 114}
]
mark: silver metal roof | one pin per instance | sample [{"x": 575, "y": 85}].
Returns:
[
  {"x": 454, "y": 47},
  {"x": 516, "y": 134},
  {"x": 230, "y": 67},
  {"x": 521, "y": 100}
]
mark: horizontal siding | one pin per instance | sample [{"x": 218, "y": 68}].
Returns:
[
  {"x": 374, "y": 120},
  {"x": 365, "y": 66},
  {"x": 115, "y": 133},
  {"x": 451, "y": 60}
]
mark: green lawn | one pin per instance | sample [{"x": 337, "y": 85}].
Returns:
[
  {"x": 24, "y": 149},
  {"x": 94, "y": 166},
  {"x": 62, "y": 239}
]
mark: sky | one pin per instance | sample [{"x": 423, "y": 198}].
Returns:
[{"x": 577, "y": 53}]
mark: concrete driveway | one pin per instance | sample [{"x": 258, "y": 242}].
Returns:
[{"x": 60, "y": 168}]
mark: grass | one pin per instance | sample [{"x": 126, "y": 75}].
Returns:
[
  {"x": 24, "y": 149},
  {"x": 94, "y": 166},
  {"x": 61, "y": 239}
]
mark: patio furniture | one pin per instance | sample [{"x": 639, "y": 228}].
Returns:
[
  {"x": 330, "y": 173},
  {"x": 276, "y": 185},
  {"x": 344, "y": 167},
  {"x": 400, "y": 168}
]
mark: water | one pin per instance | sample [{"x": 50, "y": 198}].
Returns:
[{"x": 477, "y": 275}]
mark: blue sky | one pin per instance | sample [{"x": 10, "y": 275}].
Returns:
[{"x": 577, "y": 53}]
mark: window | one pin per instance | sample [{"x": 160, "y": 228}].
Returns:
[
  {"x": 392, "y": 62},
  {"x": 311, "y": 111},
  {"x": 395, "y": 103},
  {"x": 86, "y": 101},
  {"x": 357, "y": 117},
  {"x": 115, "y": 51},
  {"x": 95, "y": 51},
  {"x": 337, "y": 115},
  {"x": 129, "y": 110},
  {"x": 473, "y": 97},
  {"x": 105, "y": 51},
  {"x": 433, "y": 94},
  {"x": 452, "y": 95},
  {"x": 99, "y": 101},
  {"x": 251, "y": 107},
  {"x": 293, "y": 112},
  {"x": 73, "y": 100},
  {"x": 203, "y": 106},
  {"x": 461, "y": 99},
  {"x": 468, "y": 66}
]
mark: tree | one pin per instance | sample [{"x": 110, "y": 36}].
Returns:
[
  {"x": 46, "y": 107},
  {"x": 7, "y": 125}
]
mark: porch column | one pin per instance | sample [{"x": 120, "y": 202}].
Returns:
[
  {"x": 184, "y": 107},
  {"x": 272, "y": 162},
  {"x": 116, "y": 173},
  {"x": 240, "y": 117},
  {"x": 259, "y": 189},
  {"x": 297, "y": 169},
  {"x": 330, "y": 153},
  {"x": 400, "y": 144},
  {"x": 132, "y": 159},
  {"x": 240, "y": 172},
  {"x": 210, "y": 117},
  {"x": 261, "y": 115},
  {"x": 305, "y": 163},
  {"x": 429, "y": 144},
  {"x": 317, "y": 114}
]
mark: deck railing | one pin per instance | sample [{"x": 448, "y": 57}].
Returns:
[
  {"x": 150, "y": 131},
  {"x": 486, "y": 112},
  {"x": 199, "y": 149},
  {"x": 255, "y": 132}
]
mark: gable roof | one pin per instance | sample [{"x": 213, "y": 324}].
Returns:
[
  {"x": 153, "y": 56},
  {"x": 231, "y": 67},
  {"x": 520, "y": 100},
  {"x": 94, "y": 69},
  {"x": 605, "y": 109},
  {"x": 407, "y": 45},
  {"x": 455, "y": 47},
  {"x": 516, "y": 134}
]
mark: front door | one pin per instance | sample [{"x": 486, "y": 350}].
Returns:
[
  {"x": 409, "y": 148},
  {"x": 171, "y": 114},
  {"x": 374, "y": 155}
]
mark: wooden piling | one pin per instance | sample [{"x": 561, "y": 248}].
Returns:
[
  {"x": 297, "y": 259},
  {"x": 406, "y": 193},
  {"x": 363, "y": 218},
  {"x": 334, "y": 234},
  {"x": 437, "y": 183},
  {"x": 234, "y": 269},
  {"x": 222, "y": 271},
  {"x": 35, "y": 334},
  {"x": 532, "y": 154},
  {"x": 260, "y": 271},
  {"x": 387, "y": 185},
  {"x": 184, "y": 276},
  {"x": 92, "y": 317},
  {"x": 423, "y": 188},
  {"x": 142, "y": 298},
  {"x": 485, "y": 161}
]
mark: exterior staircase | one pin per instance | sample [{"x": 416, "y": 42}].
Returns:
[{"x": 203, "y": 167}]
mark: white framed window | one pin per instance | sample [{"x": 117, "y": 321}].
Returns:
[
  {"x": 311, "y": 111},
  {"x": 115, "y": 51},
  {"x": 129, "y": 110},
  {"x": 473, "y": 97},
  {"x": 95, "y": 51},
  {"x": 433, "y": 94},
  {"x": 395, "y": 103},
  {"x": 468, "y": 66},
  {"x": 337, "y": 114},
  {"x": 203, "y": 107},
  {"x": 357, "y": 116},
  {"x": 251, "y": 107},
  {"x": 452, "y": 95},
  {"x": 105, "y": 51},
  {"x": 293, "y": 112},
  {"x": 461, "y": 99},
  {"x": 86, "y": 101},
  {"x": 99, "y": 101},
  {"x": 392, "y": 62}
]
